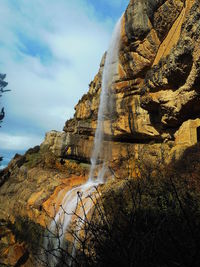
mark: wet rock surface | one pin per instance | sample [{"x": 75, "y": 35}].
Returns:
[
  {"x": 156, "y": 113},
  {"x": 156, "y": 89}
]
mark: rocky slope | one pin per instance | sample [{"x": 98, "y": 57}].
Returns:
[{"x": 156, "y": 115}]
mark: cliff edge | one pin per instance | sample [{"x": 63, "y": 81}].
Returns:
[{"x": 156, "y": 112}]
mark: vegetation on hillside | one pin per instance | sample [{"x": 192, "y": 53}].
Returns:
[{"x": 152, "y": 221}]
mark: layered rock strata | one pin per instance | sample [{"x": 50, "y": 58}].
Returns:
[
  {"x": 156, "y": 115},
  {"x": 156, "y": 89}
]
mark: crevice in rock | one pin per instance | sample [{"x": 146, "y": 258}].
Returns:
[{"x": 22, "y": 260}]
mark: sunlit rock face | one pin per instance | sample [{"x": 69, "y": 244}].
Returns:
[
  {"x": 31, "y": 193},
  {"x": 157, "y": 86},
  {"x": 156, "y": 108},
  {"x": 156, "y": 90}
]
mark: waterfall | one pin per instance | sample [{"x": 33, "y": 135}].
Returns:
[
  {"x": 62, "y": 221},
  {"x": 105, "y": 107},
  {"x": 55, "y": 238}
]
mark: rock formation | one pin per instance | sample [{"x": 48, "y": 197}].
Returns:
[
  {"x": 156, "y": 110},
  {"x": 156, "y": 90}
]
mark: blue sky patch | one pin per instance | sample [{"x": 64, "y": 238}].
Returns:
[
  {"x": 34, "y": 48},
  {"x": 106, "y": 9}
]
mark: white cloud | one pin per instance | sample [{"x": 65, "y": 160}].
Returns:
[
  {"x": 50, "y": 51},
  {"x": 76, "y": 42},
  {"x": 18, "y": 142},
  {"x": 2, "y": 167}
]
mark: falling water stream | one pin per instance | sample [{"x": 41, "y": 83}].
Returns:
[
  {"x": 109, "y": 72},
  {"x": 69, "y": 204}
]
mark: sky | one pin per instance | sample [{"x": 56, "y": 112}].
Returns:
[{"x": 50, "y": 51}]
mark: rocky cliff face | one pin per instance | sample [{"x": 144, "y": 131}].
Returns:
[
  {"x": 156, "y": 89},
  {"x": 156, "y": 113}
]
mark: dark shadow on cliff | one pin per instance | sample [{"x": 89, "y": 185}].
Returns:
[{"x": 152, "y": 220}]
